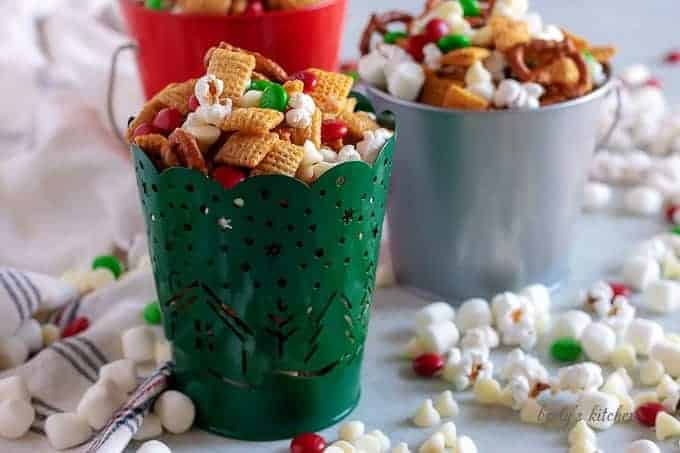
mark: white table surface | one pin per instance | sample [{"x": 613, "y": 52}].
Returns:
[{"x": 643, "y": 31}]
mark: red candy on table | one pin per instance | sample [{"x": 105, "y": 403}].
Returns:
[
  {"x": 307, "y": 443},
  {"x": 654, "y": 83},
  {"x": 167, "y": 120},
  {"x": 193, "y": 103},
  {"x": 427, "y": 365},
  {"x": 332, "y": 130},
  {"x": 671, "y": 212},
  {"x": 436, "y": 29},
  {"x": 229, "y": 176},
  {"x": 76, "y": 326},
  {"x": 646, "y": 413},
  {"x": 415, "y": 45},
  {"x": 144, "y": 129},
  {"x": 308, "y": 78},
  {"x": 619, "y": 289},
  {"x": 673, "y": 57},
  {"x": 254, "y": 8}
]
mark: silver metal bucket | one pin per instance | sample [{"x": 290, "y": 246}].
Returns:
[{"x": 484, "y": 202}]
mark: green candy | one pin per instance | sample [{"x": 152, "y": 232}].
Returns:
[
  {"x": 353, "y": 74},
  {"x": 566, "y": 350},
  {"x": 363, "y": 104},
  {"x": 392, "y": 37},
  {"x": 387, "y": 120},
  {"x": 108, "y": 262},
  {"x": 274, "y": 97},
  {"x": 154, "y": 4},
  {"x": 470, "y": 8},
  {"x": 676, "y": 230},
  {"x": 453, "y": 42},
  {"x": 259, "y": 85},
  {"x": 152, "y": 313}
]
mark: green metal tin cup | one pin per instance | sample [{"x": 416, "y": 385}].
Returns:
[{"x": 266, "y": 290}]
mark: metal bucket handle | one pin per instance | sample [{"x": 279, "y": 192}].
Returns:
[{"x": 111, "y": 88}]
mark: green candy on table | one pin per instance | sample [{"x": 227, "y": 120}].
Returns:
[
  {"x": 566, "y": 350},
  {"x": 152, "y": 313},
  {"x": 391, "y": 37},
  {"x": 259, "y": 85},
  {"x": 363, "y": 103},
  {"x": 274, "y": 97},
  {"x": 453, "y": 42},
  {"x": 676, "y": 230},
  {"x": 154, "y": 4},
  {"x": 470, "y": 8},
  {"x": 108, "y": 262}
]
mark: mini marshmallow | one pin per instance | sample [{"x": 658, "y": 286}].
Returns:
[
  {"x": 348, "y": 153},
  {"x": 473, "y": 313},
  {"x": 666, "y": 426},
  {"x": 580, "y": 377},
  {"x": 14, "y": 388},
  {"x": 176, "y": 411},
  {"x": 400, "y": 448},
  {"x": 154, "y": 446},
  {"x": 385, "y": 442},
  {"x": 465, "y": 445},
  {"x": 13, "y": 352},
  {"x": 344, "y": 446},
  {"x": 509, "y": 90},
  {"x": 434, "y": 313},
  {"x": 371, "y": 69},
  {"x": 50, "y": 334},
  {"x": 433, "y": 56},
  {"x": 669, "y": 354},
  {"x": 636, "y": 74},
  {"x": 643, "y": 334},
  {"x": 138, "y": 344},
  {"x": 100, "y": 402},
  {"x": 450, "y": 433},
  {"x": 439, "y": 337},
  {"x": 643, "y": 200},
  {"x": 484, "y": 337},
  {"x": 30, "y": 333},
  {"x": 623, "y": 356},
  {"x": 206, "y": 134},
  {"x": 642, "y": 446},
  {"x": 640, "y": 271},
  {"x": 598, "y": 341},
  {"x": 435, "y": 444},
  {"x": 667, "y": 387},
  {"x": 598, "y": 409},
  {"x": 651, "y": 372},
  {"x": 570, "y": 324},
  {"x": 150, "y": 429},
  {"x": 368, "y": 444},
  {"x": 406, "y": 81},
  {"x": 426, "y": 416},
  {"x": 16, "y": 417},
  {"x": 662, "y": 296},
  {"x": 446, "y": 405},
  {"x": 298, "y": 118},
  {"x": 487, "y": 391},
  {"x": 413, "y": 348},
  {"x": 162, "y": 352},
  {"x": 581, "y": 433},
  {"x": 350, "y": 431},
  {"x": 122, "y": 373},
  {"x": 329, "y": 155},
  {"x": 66, "y": 430},
  {"x": 531, "y": 412}
]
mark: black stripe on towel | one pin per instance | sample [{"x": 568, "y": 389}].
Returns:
[
  {"x": 34, "y": 289},
  {"x": 58, "y": 348},
  {"x": 28, "y": 301},
  {"x": 12, "y": 295},
  {"x": 95, "y": 350},
  {"x": 81, "y": 352}
]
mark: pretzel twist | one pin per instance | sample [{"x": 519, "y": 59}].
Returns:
[{"x": 378, "y": 23}]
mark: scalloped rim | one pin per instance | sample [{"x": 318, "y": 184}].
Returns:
[{"x": 328, "y": 175}]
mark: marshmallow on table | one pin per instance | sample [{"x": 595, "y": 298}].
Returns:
[
  {"x": 14, "y": 388},
  {"x": 662, "y": 296},
  {"x": 570, "y": 324},
  {"x": 151, "y": 428},
  {"x": 643, "y": 334},
  {"x": 439, "y": 337},
  {"x": 30, "y": 333},
  {"x": 434, "y": 313},
  {"x": 176, "y": 411},
  {"x": 473, "y": 313},
  {"x": 640, "y": 271},
  {"x": 67, "y": 430},
  {"x": 154, "y": 446},
  {"x": 16, "y": 417},
  {"x": 13, "y": 352},
  {"x": 642, "y": 446},
  {"x": 598, "y": 409},
  {"x": 596, "y": 196},
  {"x": 99, "y": 403},
  {"x": 122, "y": 373},
  {"x": 669, "y": 354},
  {"x": 643, "y": 201},
  {"x": 350, "y": 431},
  {"x": 139, "y": 344},
  {"x": 426, "y": 416},
  {"x": 598, "y": 341}
]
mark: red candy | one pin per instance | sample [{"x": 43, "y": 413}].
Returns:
[
  {"x": 254, "y": 8},
  {"x": 167, "y": 120},
  {"x": 646, "y": 413},
  {"x": 144, "y": 129},
  {"x": 228, "y": 176},
  {"x": 415, "y": 45},
  {"x": 436, "y": 29},
  {"x": 428, "y": 365},
  {"x": 76, "y": 326},
  {"x": 654, "y": 83},
  {"x": 332, "y": 130},
  {"x": 308, "y": 78},
  {"x": 673, "y": 57},
  {"x": 671, "y": 212},
  {"x": 193, "y": 103},
  {"x": 307, "y": 443},
  {"x": 619, "y": 289}
]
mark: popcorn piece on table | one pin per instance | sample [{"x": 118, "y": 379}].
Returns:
[
  {"x": 518, "y": 363},
  {"x": 463, "y": 370},
  {"x": 484, "y": 337},
  {"x": 581, "y": 377},
  {"x": 515, "y": 318},
  {"x": 539, "y": 296}
]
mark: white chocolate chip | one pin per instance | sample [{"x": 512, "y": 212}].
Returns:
[
  {"x": 618, "y": 383},
  {"x": 450, "y": 433},
  {"x": 623, "y": 356},
  {"x": 385, "y": 442},
  {"x": 66, "y": 430},
  {"x": 16, "y": 417},
  {"x": 487, "y": 391},
  {"x": 667, "y": 387},
  {"x": 426, "y": 416},
  {"x": 345, "y": 446},
  {"x": 446, "y": 405},
  {"x": 413, "y": 348},
  {"x": 651, "y": 372},
  {"x": 531, "y": 412},
  {"x": 351, "y": 431},
  {"x": 401, "y": 448},
  {"x": 176, "y": 411},
  {"x": 581, "y": 433},
  {"x": 586, "y": 447},
  {"x": 368, "y": 444},
  {"x": 465, "y": 445},
  {"x": 50, "y": 334},
  {"x": 666, "y": 426}
]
